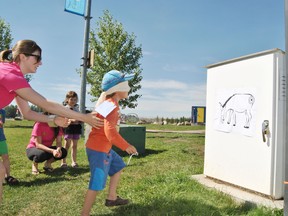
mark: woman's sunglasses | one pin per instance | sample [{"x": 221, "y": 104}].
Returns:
[{"x": 38, "y": 57}]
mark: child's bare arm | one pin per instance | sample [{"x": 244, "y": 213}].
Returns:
[{"x": 131, "y": 149}]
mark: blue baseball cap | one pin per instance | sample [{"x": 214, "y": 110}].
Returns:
[{"x": 113, "y": 78}]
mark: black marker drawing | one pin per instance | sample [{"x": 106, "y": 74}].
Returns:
[{"x": 237, "y": 103}]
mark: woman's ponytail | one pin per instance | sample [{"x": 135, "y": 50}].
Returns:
[{"x": 6, "y": 56}]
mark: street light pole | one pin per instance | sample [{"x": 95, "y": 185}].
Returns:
[
  {"x": 85, "y": 56},
  {"x": 286, "y": 130}
]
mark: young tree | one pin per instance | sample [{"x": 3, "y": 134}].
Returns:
[
  {"x": 114, "y": 49},
  {"x": 5, "y": 35},
  {"x": 6, "y": 40}
]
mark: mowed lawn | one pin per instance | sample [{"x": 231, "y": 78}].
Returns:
[{"x": 157, "y": 182}]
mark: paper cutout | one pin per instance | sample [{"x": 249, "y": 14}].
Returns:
[{"x": 105, "y": 108}]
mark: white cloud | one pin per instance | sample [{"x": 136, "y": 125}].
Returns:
[
  {"x": 146, "y": 53},
  {"x": 172, "y": 99},
  {"x": 55, "y": 91},
  {"x": 163, "y": 84},
  {"x": 180, "y": 67}
]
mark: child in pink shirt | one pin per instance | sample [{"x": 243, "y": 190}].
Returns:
[{"x": 40, "y": 147}]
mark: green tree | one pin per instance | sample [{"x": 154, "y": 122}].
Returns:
[
  {"x": 6, "y": 39},
  {"x": 36, "y": 108},
  {"x": 5, "y": 35},
  {"x": 114, "y": 49},
  {"x": 11, "y": 111},
  {"x": 157, "y": 119},
  {"x": 28, "y": 77}
]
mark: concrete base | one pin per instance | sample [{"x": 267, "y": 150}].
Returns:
[{"x": 238, "y": 194}]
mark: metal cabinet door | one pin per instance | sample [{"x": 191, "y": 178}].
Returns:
[{"x": 242, "y": 95}]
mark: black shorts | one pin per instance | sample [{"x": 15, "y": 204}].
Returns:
[{"x": 73, "y": 129}]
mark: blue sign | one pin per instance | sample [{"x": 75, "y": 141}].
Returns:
[{"x": 75, "y": 6}]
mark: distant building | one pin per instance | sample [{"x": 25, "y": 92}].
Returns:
[{"x": 198, "y": 114}]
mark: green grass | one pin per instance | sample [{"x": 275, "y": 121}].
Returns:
[{"x": 158, "y": 182}]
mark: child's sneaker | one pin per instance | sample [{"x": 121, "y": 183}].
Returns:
[
  {"x": 74, "y": 165},
  {"x": 64, "y": 165},
  {"x": 119, "y": 201}
]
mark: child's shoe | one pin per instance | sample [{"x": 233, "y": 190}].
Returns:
[
  {"x": 74, "y": 165},
  {"x": 64, "y": 165},
  {"x": 35, "y": 170},
  {"x": 119, "y": 201}
]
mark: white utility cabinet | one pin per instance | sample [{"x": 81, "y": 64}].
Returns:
[{"x": 245, "y": 122}]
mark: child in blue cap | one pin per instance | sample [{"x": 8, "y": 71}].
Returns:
[{"x": 103, "y": 161}]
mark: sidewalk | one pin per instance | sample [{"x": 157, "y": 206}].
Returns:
[
  {"x": 169, "y": 131},
  {"x": 237, "y": 194}
]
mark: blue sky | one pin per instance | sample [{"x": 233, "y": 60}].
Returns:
[{"x": 178, "y": 39}]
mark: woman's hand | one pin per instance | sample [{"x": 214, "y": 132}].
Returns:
[
  {"x": 57, "y": 152},
  {"x": 94, "y": 121},
  {"x": 61, "y": 121}
]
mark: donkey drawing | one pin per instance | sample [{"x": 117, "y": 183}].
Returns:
[{"x": 237, "y": 103}]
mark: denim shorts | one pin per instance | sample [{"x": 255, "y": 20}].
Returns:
[
  {"x": 3, "y": 147},
  {"x": 101, "y": 165}
]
